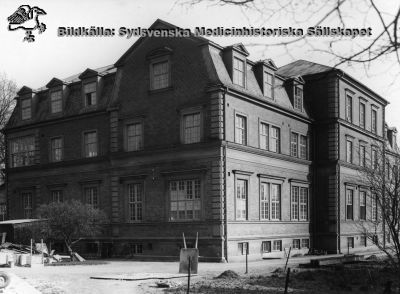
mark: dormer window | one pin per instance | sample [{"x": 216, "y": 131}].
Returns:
[
  {"x": 298, "y": 98},
  {"x": 268, "y": 85},
  {"x": 26, "y": 108},
  {"x": 238, "y": 72},
  {"x": 160, "y": 75},
  {"x": 56, "y": 101},
  {"x": 90, "y": 94}
]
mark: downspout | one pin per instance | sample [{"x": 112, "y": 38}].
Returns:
[
  {"x": 384, "y": 181},
  {"x": 338, "y": 234},
  {"x": 225, "y": 175}
]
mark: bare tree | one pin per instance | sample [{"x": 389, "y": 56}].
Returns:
[
  {"x": 8, "y": 89},
  {"x": 383, "y": 44}
]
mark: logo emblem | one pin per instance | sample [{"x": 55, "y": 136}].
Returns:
[{"x": 27, "y": 18}]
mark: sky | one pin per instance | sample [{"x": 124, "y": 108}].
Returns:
[{"x": 35, "y": 64}]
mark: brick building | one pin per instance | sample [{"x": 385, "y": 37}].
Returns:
[{"x": 183, "y": 135}]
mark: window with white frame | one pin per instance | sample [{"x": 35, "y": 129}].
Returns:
[
  {"x": 92, "y": 196},
  {"x": 90, "y": 143},
  {"x": 136, "y": 248},
  {"x": 363, "y": 205},
  {"x": 275, "y": 202},
  {"x": 264, "y": 134},
  {"x": 27, "y": 201},
  {"x": 294, "y": 144},
  {"x": 26, "y": 108},
  {"x": 56, "y": 152},
  {"x": 160, "y": 75},
  {"x": 349, "y": 108},
  {"x": 191, "y": 128},
  {"x": 277, "y": 245},
  {"x": 374, "y": 206},
  {"x": 265, "y": 201},
  {"x": 374, "y": 115},
  {"x": 299, "y": 203},
  {"x": 363, "y": 240},
  {"x": 350, "y": 242},
  {"x": 266, "y": 246},
  {"x": 374, "y": 157},
  {"x": 295, "y": 202},
  {"x": 362, "y": 155},
  {"x": 135, "y": 201},
  {"x": 296, "y": 244},
  {"x": 268, "y": 85},
  {"x": 303, "y": 152},
  {"x": 270, "y": 201},
  {"x": 241, "y": 129},
  {"x": 349, "y": 203},
  {"x": 362, "y": 115},
  {"x": 298, "y": 98},
  {"x": 238, "y": 72},
  {"x": 275, "y": 140},
  {"x": 241, "y": 199},
  {"x": 134, "y": 136},
  {"x": 243, "y": 248},
  {"x": 349, "y": 151},
  {"x": 89, "y": 91},
  {"x": 185, "y": 199},
  {"x": 305, "y": 243},
  {"x": 56, "y": 101},
  {"x": 57, "y": 196},
  {"x": 22, "y": 151}
]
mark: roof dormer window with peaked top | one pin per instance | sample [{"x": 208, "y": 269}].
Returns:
[
  {"x": 56, "y": 101},
  {"x": 298, "y": 98},
  {"x": 90, "y": 94},
  {"x": 238, "y": 72},
  {"x": 26, "y": 108},
  {"x": 268, "y": 85}
]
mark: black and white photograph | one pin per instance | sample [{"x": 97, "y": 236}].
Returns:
[{"x": 199, "y": 146}]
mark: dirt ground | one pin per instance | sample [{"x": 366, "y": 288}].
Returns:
[{"x": 264, "y": 277}]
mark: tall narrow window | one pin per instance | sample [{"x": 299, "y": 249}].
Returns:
[
  {"x": 241, "y": 130},
  {"x": 349, "y": 151},
  {"x": 27, "y": 201},
  {"x": 56, "y": 101},
  {"x": 303, "y": 208},
  {"x": 57, "y": 196},
  {"x": 275, "y": 202},
  {"x": 349, "y": 204},
  {"x": 238, "y": 72},
  {"x": 277, "y": 245},
  {"x": 90, "y": 94},
  {"x": 26, "y": 108},
  {"x": 264, "y": 201},
  {"x": 191, "y": 128},
  {"x": 362, "y": 115},
  {"x": 296, "y": 244},
  {"x": 275, "y": 138},
  {"x": 135, "y": 201},
  {"x": 134, "y": 136},
  {"x": 22, "y": 151},
  {"x": 268, "y": 85},
  {"x": 243, "y": 248},
  {"x": 374, "y": 207},
  {"x": 91, "y": 196},
  {"x": 362, "y": 155},
  {"x": 185, "y": 200},
  {"x": 56, "y": 149},
  {"x": 264, "y": 130},
  {"x": 349, "y": 108},
  {"x": 374, "y": 157},
  {"x": 303, "y": 147},
  {"x": 363, "y": 205},
  {"x": 160, "y": 78},
  {"x": 298, "y": 98},
  {"x": 294, "y": 142},
  {"x": 350, "y": 242},
  {"x": 241, "y": 199},
  {"x": 90, "y": 144},
  {"x": 295, "y": 203},
  {"x": 373, "y": 121}
]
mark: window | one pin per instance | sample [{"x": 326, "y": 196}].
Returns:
[
  {"x": 90, "y": 144},
  {"x": 241, "y": 130},
  {"x": 363, "y": 205},
  {"x": 303, "y": 147},
  {"x": 238, "y": 72},
  {"x": 299, "y": 203},
  {"x": 135, "y": 201},
  {"x": 57, "y": 196},
  {"x": 91, "y": 196},
  {"x": 191, "y": 128},
  {"x": 374, "y": 207},
  {"x": 362, "y": 115},
  {"x": 349, "y": 151},
  {"x": 241, "y": 199},
  {"x": 22, "y": 151},
  {"x": 185, "y": 199},
  {"x": 26, "y": 109},
  {"x": 295, "y": 203},
  {"x": 373, "y": 121},
  {"x": 303, "y": 210},
  {"x": 56, "y": 149},
  {"x": 90, "y": 94},
  {"x": 362, "y": 155},
  {"x": 363, "y": 240},
  {"x": 268, "y": 85},
  {"x": 349, "y": 204},
  {"x": 160, "y": 75},
  {"x": 27, "y": 200},
  {"x": 374, "y": 158},
  {"x": 277, "y": 245},
  {"x": 275, "y": 140},
  {"x": 350, "y": 242},
  {"x": 270, "y": 201},
  {"x": 305, "y": 243},
  {"x": 266, "y": 246},
  {"x": 56, "y": 101},
  {"x": 298, "y": 98},
  {"x": 136, "y": 248},
  {"x": 349, "y": 108},
  {"x": 296, "y": 244},
  {"x": 134, "y": 137},
  {"x": 275, "y": 202},
  {"x": 264, "y": 130},
  {"x": 264, "y": 201},
  {"x": 294, "y": 142},
  {"x": 243, "y": 248}
]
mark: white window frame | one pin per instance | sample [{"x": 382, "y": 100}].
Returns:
[
  {"x": 54, "y": 156},
  {"x": 27, "y": 198},
  {"x": 294, "y": 144},
  {"x": 268, "y": 85},
  {"x": 349, "y": 203},
  {"x": 159, "y": 81},
  {"x": 187, "y": 135},
  {"x": 349, "y": 108},
  {"x": 241, "y": 198},
  {"x": 135, "y": 195},
  {"x": 362, "y": 108},
  {"x": 363, "y": 154},
  {"x": 349, "y": 156},
  {"x": 363, "y": 204},
  {"x": 263, "y": 135},
  {"x": 86, "y": 145},
  {"x": 239, "y": 74},
  {"x": 241, "y": 131},
  {"x": 374, "y": 121},
  {"x": 56, "y": 101},
  {"x": 137, "y": 138},
  {"x": 90, "y": 93},
  {"x": 91, "y": 194},
  {"x": 185, "y": 193},
  {"x": 275, "y": 140},
  {"x": 22, "y": 151},
  {"x": 298, "y": 98},
  {"x": 57, "y": 195}
]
